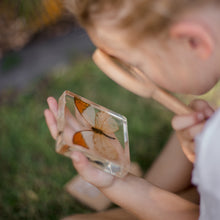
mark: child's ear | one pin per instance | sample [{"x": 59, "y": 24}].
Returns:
[{"x": 198, "y": 38}]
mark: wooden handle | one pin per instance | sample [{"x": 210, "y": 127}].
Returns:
[{"x": 171, "y": 102}]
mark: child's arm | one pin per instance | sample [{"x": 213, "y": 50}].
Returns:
[
  {"x": 132, "y": 193},
  {"x": 137, "y": 195},
  {"x": 188, "y": 126}
]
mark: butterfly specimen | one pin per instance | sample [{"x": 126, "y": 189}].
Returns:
[
  {"x": 99, "y": 130},
  {"x": 99, "y": 133}
]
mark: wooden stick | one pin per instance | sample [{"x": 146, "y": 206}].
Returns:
[{"x": 170, "y": 102}]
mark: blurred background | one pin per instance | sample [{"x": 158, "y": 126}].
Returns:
[{"x": 42, "y": 53}]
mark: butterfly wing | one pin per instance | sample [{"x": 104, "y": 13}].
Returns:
[
  {"x": 105, "y": 122},
  {"x": 99, "y": 144},
  {"x": 85, "y": 113},
  {"x": 107, "y": 143},
  {"x": 84, "y": 139},
  {"x": 108, "y": 148}
]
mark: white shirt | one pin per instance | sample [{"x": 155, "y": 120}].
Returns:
[{"x": 206, "y": 173}]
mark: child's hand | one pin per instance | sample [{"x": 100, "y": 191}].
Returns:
[
  {"x": 188, "y": 126},
  {"x": 80, "y": 162}
]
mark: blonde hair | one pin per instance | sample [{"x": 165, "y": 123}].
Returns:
[{"x": 140, "y": 16}]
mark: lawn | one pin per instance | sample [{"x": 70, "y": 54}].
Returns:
[{"x": 32, "y": 174}]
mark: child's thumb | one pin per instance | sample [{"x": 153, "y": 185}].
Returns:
[{"x": 88, "y": 172}]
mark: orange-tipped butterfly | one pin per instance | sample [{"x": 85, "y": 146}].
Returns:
[{"x": 99, "y": 133}]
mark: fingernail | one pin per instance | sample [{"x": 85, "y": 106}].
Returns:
[{"x": 75, "y": 157}]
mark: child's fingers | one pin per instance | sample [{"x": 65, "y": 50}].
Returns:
[
  {"x": 202, "y": 111},
  {"x": 187, "y": 137},
  {"x": 72, "y": 121},
  {"x": 190, "y": 133},
  {"x": 89, "y": 172},
  {"x": 184, "y": 121},
  {"x": 188, "y": 149},
  {"x": 52, "y": 103},
  {"x": 191, "y": 151},
  {"x": 51, "y": 122},
  {"x": 200, "y": 105},
  {"x": 188, "y": 146},
  {"x": 188, "y": 126}
]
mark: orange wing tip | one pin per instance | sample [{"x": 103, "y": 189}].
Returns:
[
  {"x": 81, "y": 106},
  {"x": 79, "y": 140}
]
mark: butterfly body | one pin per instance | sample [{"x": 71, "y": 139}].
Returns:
[{"x": 99, "y": 131}]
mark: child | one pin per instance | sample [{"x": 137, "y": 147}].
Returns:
[{"x": 177, "y": 45}]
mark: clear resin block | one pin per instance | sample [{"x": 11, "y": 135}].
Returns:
[{"x": 99, "y": 133}]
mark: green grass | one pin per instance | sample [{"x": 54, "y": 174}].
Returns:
[{"x": 32, "y": 174}]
